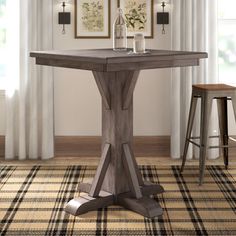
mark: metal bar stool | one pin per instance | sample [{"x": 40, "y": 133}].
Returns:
[{"x": 208, "y": 92}]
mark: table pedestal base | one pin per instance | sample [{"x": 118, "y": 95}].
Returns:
[
  {"x": 144, "y": 206},
  {"x": 117, "y": 179}
]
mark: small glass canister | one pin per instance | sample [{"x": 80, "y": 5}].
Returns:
[{"x": 139, "y": 43}]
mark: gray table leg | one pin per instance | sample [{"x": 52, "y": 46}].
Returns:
[{"x": 117, "y": 165}]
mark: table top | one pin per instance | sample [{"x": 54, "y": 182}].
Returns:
[{"x": 109, "y": 60}]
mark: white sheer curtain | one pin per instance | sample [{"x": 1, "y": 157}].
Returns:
[
  {"x": 194, "y": 28},
  {"x": 29, "y": 95}
]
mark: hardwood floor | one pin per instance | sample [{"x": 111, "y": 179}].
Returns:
[
  {"x": 2, "y": 146},
  {"x": 86, "y": 151},
  {"x": 90, "y": 146},
  {"x": 149, "y": 146}
]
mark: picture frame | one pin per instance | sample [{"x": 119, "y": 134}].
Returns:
[
  {"x": 139, "y": 16},
  {"x": 92, "y": 19}
]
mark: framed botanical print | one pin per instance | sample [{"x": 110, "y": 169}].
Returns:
[
  {"x": 139, "y": 16},
  {"x": 92, "y": 18}
]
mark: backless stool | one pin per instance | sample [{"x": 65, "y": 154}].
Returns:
[{"x": 207, "y": 92}]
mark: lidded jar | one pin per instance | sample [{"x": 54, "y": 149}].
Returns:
[{"x": 119, "y": 32}]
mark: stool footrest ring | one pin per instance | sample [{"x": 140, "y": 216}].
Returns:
[{"x": 212, "y": 147}]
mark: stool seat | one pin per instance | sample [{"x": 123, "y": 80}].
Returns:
[
  {"x": 213, "y": 87},
  {"x": 207, "y": 93}
]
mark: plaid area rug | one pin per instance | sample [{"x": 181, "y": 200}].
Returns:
[{"x": 32, "y": 200}]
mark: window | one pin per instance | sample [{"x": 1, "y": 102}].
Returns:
[
  {"x": 9, "y": 44},
  {"x": 3, "y": 37},
  {"x": 227, "y": 41}
]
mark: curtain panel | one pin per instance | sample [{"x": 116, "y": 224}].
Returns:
[
  {"x": 193, "y": 28},
  {"x": 29, "y": 94}
]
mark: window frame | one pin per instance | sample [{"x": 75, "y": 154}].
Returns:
[{"x": 224, "y": 21}]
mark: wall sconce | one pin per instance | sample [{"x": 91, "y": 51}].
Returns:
[
  {"x": 64, "y": 18},
  {"x": 163, "y": 17}
]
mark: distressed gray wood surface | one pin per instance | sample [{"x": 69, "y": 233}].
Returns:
[
  {"x": 116, "y": 74},
  {"x": 131, "y": 172},
  {"x": 101, "y": 171},
  {"x": 129, "y": 88},
  {"x": 105, "y": 60},
  {"x": 122, "y": 177},
  {"x": 85, "y": 203},
  {"x": 147, "y": 189},
  {"x": 145, "y": 206},
  {"x": 103, "y": 89},
  {"x": 117, "y": 129}
]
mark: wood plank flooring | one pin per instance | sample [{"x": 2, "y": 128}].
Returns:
[
  {"x": 150, "y": 146},
  {"x": 90, "y": 146},
  {"x": 86, "y": 151}
]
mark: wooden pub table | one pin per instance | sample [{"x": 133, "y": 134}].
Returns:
[{"x": 117, "y": 179}]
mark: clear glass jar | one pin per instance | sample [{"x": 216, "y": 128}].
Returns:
[
  {"x": 139, "y": 43},
  {"x": 119, "y": 32}
]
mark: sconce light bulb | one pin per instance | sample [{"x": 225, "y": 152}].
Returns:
[
  {"x": 63, "y": 6},
  {"x": 163, "y": 4}
]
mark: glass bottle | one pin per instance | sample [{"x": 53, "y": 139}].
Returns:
[{"x": 119, "y": 32}]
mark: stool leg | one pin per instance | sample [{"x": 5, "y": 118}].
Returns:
[
  {"x": 233, "y": 99},
  {"x": 206, "y": 104},
  {"x": 223, "y": 124},
  {"x": 192, "y": 110}
]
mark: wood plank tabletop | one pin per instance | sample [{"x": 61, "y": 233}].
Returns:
[{"x": 109, "y": 60}]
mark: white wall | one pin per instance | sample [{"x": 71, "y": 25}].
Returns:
[{"x": 77, "y": 100}]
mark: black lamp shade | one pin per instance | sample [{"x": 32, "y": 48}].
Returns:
[
  {"x": 162, "y": 18},
  {"x": 64, "y": 18}
]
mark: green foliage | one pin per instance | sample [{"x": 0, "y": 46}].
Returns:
[
  {"x": 135, "y": 15},
  {"x": 93, "y": 16}
]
